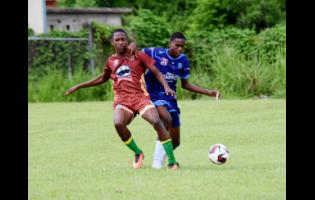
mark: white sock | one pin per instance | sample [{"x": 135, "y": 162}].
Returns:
[{"x": 159, "y": 155}]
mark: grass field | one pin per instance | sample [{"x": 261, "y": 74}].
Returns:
[{"x": 75, "y": 153}]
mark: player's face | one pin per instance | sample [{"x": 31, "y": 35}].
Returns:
[
  {"x": 120, "y": 42},
  {"x": 176, "y": 47}
]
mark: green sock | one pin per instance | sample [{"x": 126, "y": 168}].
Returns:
[
  {"x": 133, "y": 146},
  {"x": 168, "y": 147}
]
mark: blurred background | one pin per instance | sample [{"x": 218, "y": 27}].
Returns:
[{"x": 236, "y": 46}]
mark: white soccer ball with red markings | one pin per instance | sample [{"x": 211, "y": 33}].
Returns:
[{"x": 218, "y": 154}]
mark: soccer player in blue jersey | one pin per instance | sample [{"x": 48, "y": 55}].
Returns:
[{"x": 173, "y": 64}]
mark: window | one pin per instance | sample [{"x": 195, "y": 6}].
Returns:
[
  {"x": 68, "y": 27},
  {"x": 51, "y": 27}
]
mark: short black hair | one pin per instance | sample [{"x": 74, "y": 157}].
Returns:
[
  {"x": 177, "y": 35},
  {"x": 116, "y": 31}
]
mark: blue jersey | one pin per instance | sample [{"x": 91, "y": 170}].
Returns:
[{"x": 170, "y": 67}]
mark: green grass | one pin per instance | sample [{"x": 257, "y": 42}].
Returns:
[{"x": 75, "y": 153}]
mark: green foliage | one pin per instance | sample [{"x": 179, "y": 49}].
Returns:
[
  {"x": 207, "y": 15},
  {"x": 255, "y": 14},
  {"x": 202, "y": 14},
  {"x": 49, "y": 84},
  {"x": 76, "y": 3},
  {"x": 224, "y": 38},
  {"x": 271, "y": 40},
  {"x": 60, "y": 54},
  {"x": 63, "y": 54},
  {"x": 258, "y": 14},
  {"x": 66, "y": 3},
  {"x": 239, "y": 62},
  {"x": 244, "y": 41},
  {"x": 102, "y": 46},
  {"x": 30, "y": 32},
  {"x": 235, "y": 74},
  {"x": 155, "y": 33}
]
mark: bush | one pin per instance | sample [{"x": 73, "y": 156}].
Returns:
[
  {"x": 237, "y": 75},
  {"x": 59, "y": 54},
  {"x": 155, "y": 33},
  {"x": 244, "y": 41},
  {"x": 102, "y": 47},
  {"x": 50, "y": 84},
  {"x": 239, "y": 62},
  {"x": 255, "y": 14},
  {"x": 62, "y": 54},
  {"x": 30, "y": 32}
]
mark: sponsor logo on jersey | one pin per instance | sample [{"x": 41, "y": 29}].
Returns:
[
  {"x": 123, "y": 73},
  {"x": 170, "y": 76},
  {"x": 164, "y": 61}
]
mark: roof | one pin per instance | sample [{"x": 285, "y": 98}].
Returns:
[{"x": 88, "y": 10}]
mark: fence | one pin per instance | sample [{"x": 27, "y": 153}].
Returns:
[{"x": 62, "y": 53}]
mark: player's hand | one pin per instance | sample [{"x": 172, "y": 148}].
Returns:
[
  {"x": 71, "y": 90},
  {"x": 214, "y": 93},
  {"x": 132, "y": 51},
  {"x": 169, "y": 91}
]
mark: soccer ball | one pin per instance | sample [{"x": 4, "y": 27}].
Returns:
[{"x": 218, "y": 154}]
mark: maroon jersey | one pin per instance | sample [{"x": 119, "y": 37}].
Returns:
[{"x": 128, "y": 75}]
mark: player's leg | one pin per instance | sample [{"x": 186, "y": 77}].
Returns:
[
  {"x": 175, "y": 128},
  {"x": 165, "y": 116},
  {"x": 159, "y": 153},
  {"x": 122, "y": 117},
  {"x": 175, "y": 135},
  {"x": 151, "y": 115}
]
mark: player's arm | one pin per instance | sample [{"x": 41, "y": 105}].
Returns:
[
  {"x": 149, "y": 63},
  {"x": 161, "y": 79},
  {"x": 193, "y": 88},
  {"x": 94, "y": 82},
  {"x": 132, "y": 50}
]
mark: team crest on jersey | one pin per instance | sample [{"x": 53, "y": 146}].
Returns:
[
  {"x": 164, "y": 61},
  {"x": 123, "y": 72},
  {"x": 179, "y": 66}
]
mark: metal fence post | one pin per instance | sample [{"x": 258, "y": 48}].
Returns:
[
  {"x": 90, "y": 46},
  {"x": 69, "y": 67}
]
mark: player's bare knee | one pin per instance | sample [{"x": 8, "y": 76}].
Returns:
[
  {"x": 119, "y": 126},
  {"x": 167, "y": 122},
  {"x": 157, "y": 123}
]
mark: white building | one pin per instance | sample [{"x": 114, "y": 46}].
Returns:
[
  {"x": 37, "y": 19},
  {"x": 73, "y": 19},
  {"x": 44, "y": 16}
]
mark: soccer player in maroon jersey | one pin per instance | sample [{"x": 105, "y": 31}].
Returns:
[{"x": 131, "y": 97}]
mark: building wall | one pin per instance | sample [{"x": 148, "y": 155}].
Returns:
[
  {"x": 75, "y": 22},
  {"x": 37, "y": 16}
]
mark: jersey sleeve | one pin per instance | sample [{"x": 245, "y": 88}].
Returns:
[
  {"x": 148, "y": 51},
  {"x": 185, "y": 71},
  {"x": 147, "y": 60}
]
